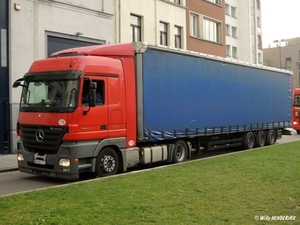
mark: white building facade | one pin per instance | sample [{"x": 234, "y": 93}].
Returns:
[
  {"x": 243, "y": 30},
  {"x": 161, "y": 22},
  {"x": 38, "y": 28}
]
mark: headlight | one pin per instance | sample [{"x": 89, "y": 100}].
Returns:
[
  {"x": 64, "y": 162},
  {"x": 20, "y": 157}
]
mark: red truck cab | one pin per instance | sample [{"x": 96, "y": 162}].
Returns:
[
  {"x": 61, "y": 130},
  {"x": 296, "y": 110}
]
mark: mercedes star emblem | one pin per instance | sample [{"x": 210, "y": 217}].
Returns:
[{"x": 39, "y": 135}]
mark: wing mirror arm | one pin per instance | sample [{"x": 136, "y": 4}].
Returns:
[{"x": 18, "y": 83}]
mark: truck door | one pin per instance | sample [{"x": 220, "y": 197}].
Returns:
[
  {"x": 117, "y": 112},
  {"x": 93, "y": 121}
]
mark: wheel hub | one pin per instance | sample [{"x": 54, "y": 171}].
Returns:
[{"x": 108, "y": 163}]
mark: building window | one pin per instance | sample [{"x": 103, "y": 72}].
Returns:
[
  {"x": 259, "y": 42},
  {"x": 177, "y": 2},
  {"x": 194, "y": 24},
  {"x": 163, "y": 29},
  {"x": 211, "y": 30},
  {"x": 233, "y": 11},
  {"x": 227, "y": 29},
  {"x": 259, "y": 58},
  {"x": 228, "y": 50},
  {"x": 217, "y": 2},
  {"x": 234, "y": 31},
  {"x": 135, "y": 24},
  {"x": 258, "y": 22},
  {"x": 234, "y": 52},
  {"x": 177, "y": 34},
  {"x": 258, "y": 4},
  {"x": 227, "y": 9}
]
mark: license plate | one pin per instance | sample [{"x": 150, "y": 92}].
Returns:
[{"x": 39, "y": 159}]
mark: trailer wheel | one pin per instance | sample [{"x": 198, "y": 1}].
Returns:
[
  {"x": 261, "y": 138},
  {"x": 180, "y": 151},
  {"x": 249, "y": 140},
  {"x": 271, "y": 137},
  {"x": 107, "y": 162}
]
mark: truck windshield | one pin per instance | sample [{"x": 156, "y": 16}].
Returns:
[
  {"x": 297, "y": 100},
  {"x": 53, "y": 91}
]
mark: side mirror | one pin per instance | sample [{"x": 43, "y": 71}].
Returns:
[
  {"x": 18, "y": 83},
  {"x": 92, "y": 94}
]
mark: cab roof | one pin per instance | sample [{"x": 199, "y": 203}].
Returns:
[{"x": 123, "y": 49}]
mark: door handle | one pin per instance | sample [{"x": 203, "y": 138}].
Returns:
[{"x": 103, "y": 127}]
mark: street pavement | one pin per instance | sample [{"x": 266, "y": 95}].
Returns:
[{"x": 8, "y": 162}]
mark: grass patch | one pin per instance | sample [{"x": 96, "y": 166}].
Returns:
[{"x": 231, "y": 189}]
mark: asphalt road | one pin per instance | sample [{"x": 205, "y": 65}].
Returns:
[{"x": 17, "y": 182}]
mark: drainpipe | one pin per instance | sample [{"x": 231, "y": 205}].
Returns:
[
  {"x": 119, "y": 21},
  {"x": 35, "y": 29}
]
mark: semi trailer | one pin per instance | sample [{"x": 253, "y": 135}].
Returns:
[{"x": 106, "y": 108}]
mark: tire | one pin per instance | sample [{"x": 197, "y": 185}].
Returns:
[
  {"x": 107, "y": 162},
  {"x": 271, "y": 137},
  {"x": 298, "y": 131},
  {"x": 180, "y": 151},
  {"x": 249, "y": 140},
  {"x": 261, "y": 139}
]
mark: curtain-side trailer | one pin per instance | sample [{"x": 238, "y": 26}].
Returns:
[{"x": 157, "y": 105}]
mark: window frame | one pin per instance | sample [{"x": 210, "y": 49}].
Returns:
[
  {"x": 163, "y": 33},
  {"x": 227, "y": 29},
  {"x": 228, "y": 50},
  {"x": 234, "y": 51},
  {"x": 136, "y": 28},
  {"x": 101, "y": 84},
  {"x": 178, "y": 37},
  {"x": 234, "y": 31},
  {"x": 216, "y": 2},
  {"x": 194, "y": 25},
  {"x": 212, "y": 30},
  {"x": 259, "y": 42},
  {"x": 227, "y": 9},
  {"x": 258, "y": 21},
  {"x": 258, "y": 4},
  {"x": 233, "y": 12}
]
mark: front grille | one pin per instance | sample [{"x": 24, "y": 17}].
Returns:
[{"x": 50, "y": 143}]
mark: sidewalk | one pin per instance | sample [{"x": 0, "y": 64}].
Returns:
[{"x": 8, "y": 162}]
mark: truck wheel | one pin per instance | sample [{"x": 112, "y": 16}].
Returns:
[
  {"x": 107, "y": 162},
  {"x": 180, "y": 151},
  {"x": 298, "y": 131},
  {"x": 271, "y": 137},
  {"x": 249, "y": 140},
  {"x": 261, "y": 138}
]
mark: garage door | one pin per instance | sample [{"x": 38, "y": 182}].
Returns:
[{"x": 55, "y": 44}]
